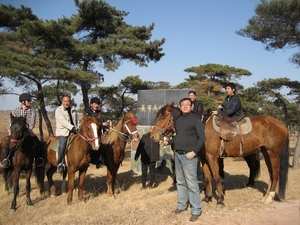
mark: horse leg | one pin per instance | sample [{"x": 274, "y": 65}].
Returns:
[
  {"x": 208, "y": 181},
  {"x": 16, "y": 187},
  {"x": 71, "y": 181},
  {"x": 64, "y": 186},
  {"x": 81, "y": 183},
  {"x": 273, "y": 165},
  {"x": 28, "y": 187},
  {"x": 49, "y": 174},
  {"x": 111, "y": 179},
  {"x": 254, "y": 167}
]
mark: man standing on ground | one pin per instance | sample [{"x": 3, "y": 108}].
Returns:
[{"x": 188, "y": 140}]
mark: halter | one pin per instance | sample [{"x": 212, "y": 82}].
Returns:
[
  {"x": 124, "y": 137},
  {"x": 169, "y": 124},
  {"x": 86, "y": 137},
  {"x": 24, "y": 134}
]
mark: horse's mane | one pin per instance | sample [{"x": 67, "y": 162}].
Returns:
[
  {"x": 18, "y": 120},
  {"x": 175, "y": 112}
]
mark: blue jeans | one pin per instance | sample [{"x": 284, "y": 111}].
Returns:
[
  {"x": 62, "y": 140},
  {"x": 187, "y": 183}
]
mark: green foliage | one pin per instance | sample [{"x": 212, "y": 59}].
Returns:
[{"x": 276, "y": 25}]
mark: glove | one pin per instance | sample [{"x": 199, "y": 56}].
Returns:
[
  {"x": 220, "y": 107},
  {"x": 74, "y": 130},
  {"x": 190, "y": 155}
]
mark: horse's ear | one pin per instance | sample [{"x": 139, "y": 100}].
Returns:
[
  {"x": 11, "y": 116},
  {"x": 98, "y": 117}
]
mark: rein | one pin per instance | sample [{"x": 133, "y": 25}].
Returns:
[
  {"x": 163, "y": 130},
  {"x": 86, "y": 138},
  {"x": 125, "y": 137}
]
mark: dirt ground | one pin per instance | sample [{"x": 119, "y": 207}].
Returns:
[{"x": 132, "y": 205}]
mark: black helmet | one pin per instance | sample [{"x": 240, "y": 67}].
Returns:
[
  {"x": 95, "y": 100},
  {"x": 24, "y": 96}
]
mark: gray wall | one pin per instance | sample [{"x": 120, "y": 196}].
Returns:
[{"x": 150, "y": 101}]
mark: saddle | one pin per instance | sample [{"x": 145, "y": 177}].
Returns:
[
  {"x": 55, "y": 144},
  {"x": 228, "y": 127}
]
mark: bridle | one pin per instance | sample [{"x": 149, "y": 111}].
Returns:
[
  {"x": 86, "y": 137},
  {"x": 24, "y": 133},
  {"x": 168, "y": 125},
  {"x": 126, "y": 137}
]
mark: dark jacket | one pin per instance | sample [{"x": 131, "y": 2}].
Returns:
[
  {"x": 141, "y": 150},
  {"x": 198, "y": 108},
  {"x": 91, "y": 112},
  {"x": 232, "y": 106}
]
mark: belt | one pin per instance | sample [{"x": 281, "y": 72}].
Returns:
[{"x": 180, "y": 152}]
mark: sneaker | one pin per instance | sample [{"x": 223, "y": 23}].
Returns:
[
  {"x": 39, "y": 162},
  {"x": 60, "y": 168},
  {"x": 5, "y": 163},
  {"x": 194, "y": 217}
]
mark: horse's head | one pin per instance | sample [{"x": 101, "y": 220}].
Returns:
[
  {"x": 164, "y": 124},
  {"x": 89, "y": 129},
  {"x": 130, "y": 127},
  {"x": 18, "y": 129}
]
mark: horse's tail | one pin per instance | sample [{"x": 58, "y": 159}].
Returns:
[{"x": 284, "y": 166}]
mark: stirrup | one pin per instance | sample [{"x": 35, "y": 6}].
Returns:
[
  {"x": 60, "y": 168},
  {"x": 39, "y": 162},
  {"x": 5, "y": 163}
]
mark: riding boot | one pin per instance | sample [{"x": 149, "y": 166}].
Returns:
[{"x": 6, "y": 161}]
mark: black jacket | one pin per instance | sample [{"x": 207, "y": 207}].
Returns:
[
  {"x": 91, "y": 112},
  {"x": 232, "y": 106},
  {"x": 141, "y": 150},
  {"x": 198, "y": 108}
]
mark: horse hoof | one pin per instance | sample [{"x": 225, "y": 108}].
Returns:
[
  {"x": 220, "y": 206},
  {"x": 12, "y": 210}
]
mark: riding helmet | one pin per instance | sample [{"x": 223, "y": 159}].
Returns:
[
  {"x": 95, "y": 100},
  {"x": 24, "y": 96}
]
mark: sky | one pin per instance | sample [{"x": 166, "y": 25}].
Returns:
[{"x": 197, "y": 32}]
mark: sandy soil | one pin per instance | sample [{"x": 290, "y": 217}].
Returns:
[{"x": 153, "y": 206}]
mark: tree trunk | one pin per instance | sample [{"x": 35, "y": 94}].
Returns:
[
  {"x": 43, "y": 112},
  {"x": 296, "y": 153}
]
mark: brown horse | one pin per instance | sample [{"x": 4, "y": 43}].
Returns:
[
  {"x": 77, "y": 156},
  {"x": 268, "y": 134},
  {"x": 165, "y": 127},
  {"x": 21, "y": 153},
  {"x": 113, "y": 147}
]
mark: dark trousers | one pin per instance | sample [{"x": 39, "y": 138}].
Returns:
[
  {"x": 151, "y": 167},
  {"x": 61, "y": 148}
]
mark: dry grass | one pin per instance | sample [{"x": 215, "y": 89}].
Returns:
[{"x": 152, "y": 206}]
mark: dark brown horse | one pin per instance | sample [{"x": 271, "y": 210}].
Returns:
[
  {"x": 77, "y": 156},
  {"x": 21, "y": 151},
  {"x": 164, "y": 127},
  {"x": 113, "y": 147}
]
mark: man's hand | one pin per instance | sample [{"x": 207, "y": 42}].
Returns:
[
  {"x": 165, "y": 143},
  {"x": 74, "y": 130},
  {"x": 190, "y": 155}
]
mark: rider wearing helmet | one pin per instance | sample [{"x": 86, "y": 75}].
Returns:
[
  {"x": 95, "y": 111},
  {"x": 27, "y": 111}
]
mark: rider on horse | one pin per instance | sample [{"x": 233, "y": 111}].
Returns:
[
  {"x": 66, "y": 122},
  {"x": 231, "y": 106},
  {"x": 95, "y": 111},
  {"x": 28, "y": 112}
]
